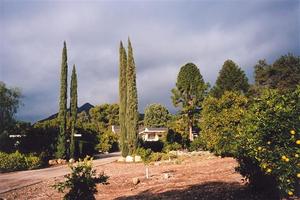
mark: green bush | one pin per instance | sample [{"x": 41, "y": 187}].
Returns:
[
  {"x": 82, "y": 181},
  {"x": 144, "y": 153},
  {"x": 172, "y": 147},
  {"x": 220, "y": 122},
  {"x": 108, "y": 142},
  {"x": 17, "y": 161},
  {"x": 268, "y": 152},
  {"x": 197, "y": 144}
]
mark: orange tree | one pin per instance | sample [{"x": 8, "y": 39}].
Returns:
[{"x": 268, "y": 152}]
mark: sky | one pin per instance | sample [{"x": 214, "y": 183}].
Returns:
[{"x": 165, "y": 35}]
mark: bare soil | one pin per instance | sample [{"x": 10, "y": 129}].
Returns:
[{"x": 197, "y": 177}]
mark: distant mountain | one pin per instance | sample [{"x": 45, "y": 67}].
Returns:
[{"x": 85, "y": 107}]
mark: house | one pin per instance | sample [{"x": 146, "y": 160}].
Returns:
[{"x": 152, "y": 134}]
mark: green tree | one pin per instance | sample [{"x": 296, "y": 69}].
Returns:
[
  {"x": 123, "y": 100},
  {"x": 61, "y": 151},
  {"x": 283, "y": 74},
  {"x": 132, "y": 102},
  {"x": 156, "y": 115},
  {"x": 189, "y": 93},
  {"x": 9, "y": 103},
  {"x": 220, "y": 122},
  {"x": 73, "y": 109},
  {"x": 231, "y": 78}
]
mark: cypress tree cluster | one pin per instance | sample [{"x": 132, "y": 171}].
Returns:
[
  {"x": 73, "y": 110},
  {"x": 128, "y": 101},
  {"x": 61, "y": 148}
]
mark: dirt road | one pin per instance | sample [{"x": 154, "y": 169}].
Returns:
[{"x": 15, "y": 180}]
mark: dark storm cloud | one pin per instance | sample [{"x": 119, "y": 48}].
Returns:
[{"x": 165, "y": 35}]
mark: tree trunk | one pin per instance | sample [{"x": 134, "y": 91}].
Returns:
[{"x": 191, "y": 136}]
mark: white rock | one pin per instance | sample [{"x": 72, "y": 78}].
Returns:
[
  {"x": 137, "y": 159},
  {"x": 166, "y": 175},
  {"x": 129, "y": 159},
  {"x": 135, "y": 181}
]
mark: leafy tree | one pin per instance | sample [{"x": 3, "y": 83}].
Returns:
[
  {"x": 156, "y": 115},
  {"x": 268, "y": 153},
  {"x": 283, "y": 74},
  {"x": 231, "y": 78},
  {"x": 61, "y": 151},
  {"x": 123, "y": 100},
  {"x": 108, "y": 142},
  {"x": 220, "y": 122},
  {"x": 9, "y": 103},
  {"x": 73, "y": 110},
  {"x": 132, "y": 102},
  {"x": 189, "y": 93}
]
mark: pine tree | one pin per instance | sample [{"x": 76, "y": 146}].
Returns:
[
  {"x": 132, "y": 102},
  {"x": 189, "y": 93},
  {"x": 231, "y": 78},
  {"x": 61, "y": 150},
  {"x": 123, "y": 100},
  {"x": 73, "y": 110}
]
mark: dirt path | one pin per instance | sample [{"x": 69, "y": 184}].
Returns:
[
  {"x": 204, "y": 177},
  {"x": 15, "y": 180}
]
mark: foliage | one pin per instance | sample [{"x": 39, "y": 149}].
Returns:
[
  {"x": 131, "y": 102},
  {"x": 172, "y": 147},
  {"x": 283, "y": 74},
  {"x": 144, "y": 153},
  {"x": 197, "y": 144},
  {"x": 269, "y": 144},
  {"x": 108, "y": 142},
  {"x": 178, "y": 131},
  {"x": 82, "y": 181},
  {"x": 156, "y": 146},
  {"x": 17, "y": 161},
  {"x": 123, "y": 100},
  {"x": 189, "y": 93},
  {"x": 231, "y": 78},
  {"x": 61, "y": 151},
  {"x": 73, "y": 110},
  {"x": 220, "y": 122},
  {"x": 9, "y": 103},
  {"x": 156, "y": 116}
]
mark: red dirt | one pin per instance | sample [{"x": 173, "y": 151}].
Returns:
[{"x": 197, "y": 177}]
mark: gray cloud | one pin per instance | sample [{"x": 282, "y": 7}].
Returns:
[{"x": 165, "y": 36}]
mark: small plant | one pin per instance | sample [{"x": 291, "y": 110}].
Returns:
[{"x": 82, "y": 181}]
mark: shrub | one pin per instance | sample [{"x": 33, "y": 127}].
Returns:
[
  {"x": 197, "y": 144},
  {"x": 220, "y": 121},
  {"x": 269, "y": 144},
  {"x": 144, "y": 153},
  {"x": 108, "y": 142},
  {"x": 17, "y": 161},
  {"x": 82, "y": 181},
  {"x": 172, "y": 147},
  {"x": 156, "y": 146}
]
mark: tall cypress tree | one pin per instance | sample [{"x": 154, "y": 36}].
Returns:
[
  {"x": 61, "y": 150},
  {"x": 123, "y": 99},
  {"x": 73, "y": 109},
  {"x": 132, "y": 102}
]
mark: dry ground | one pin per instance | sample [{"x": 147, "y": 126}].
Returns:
[{"x": 198, "y": 177}]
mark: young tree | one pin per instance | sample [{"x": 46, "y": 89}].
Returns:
[
  {"x": 231, "y": 78},
  {"x": 132, "y": 102},
  {"x": 61, "y": 151},
  {"x": 73, "y": 109},
  {"x": 156, "y": 115},
  {"x": 123, "y": 100},
  {"x": 189, "y": 93}
]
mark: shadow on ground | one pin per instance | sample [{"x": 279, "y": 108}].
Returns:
[{"x": 205, "y": 191}]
